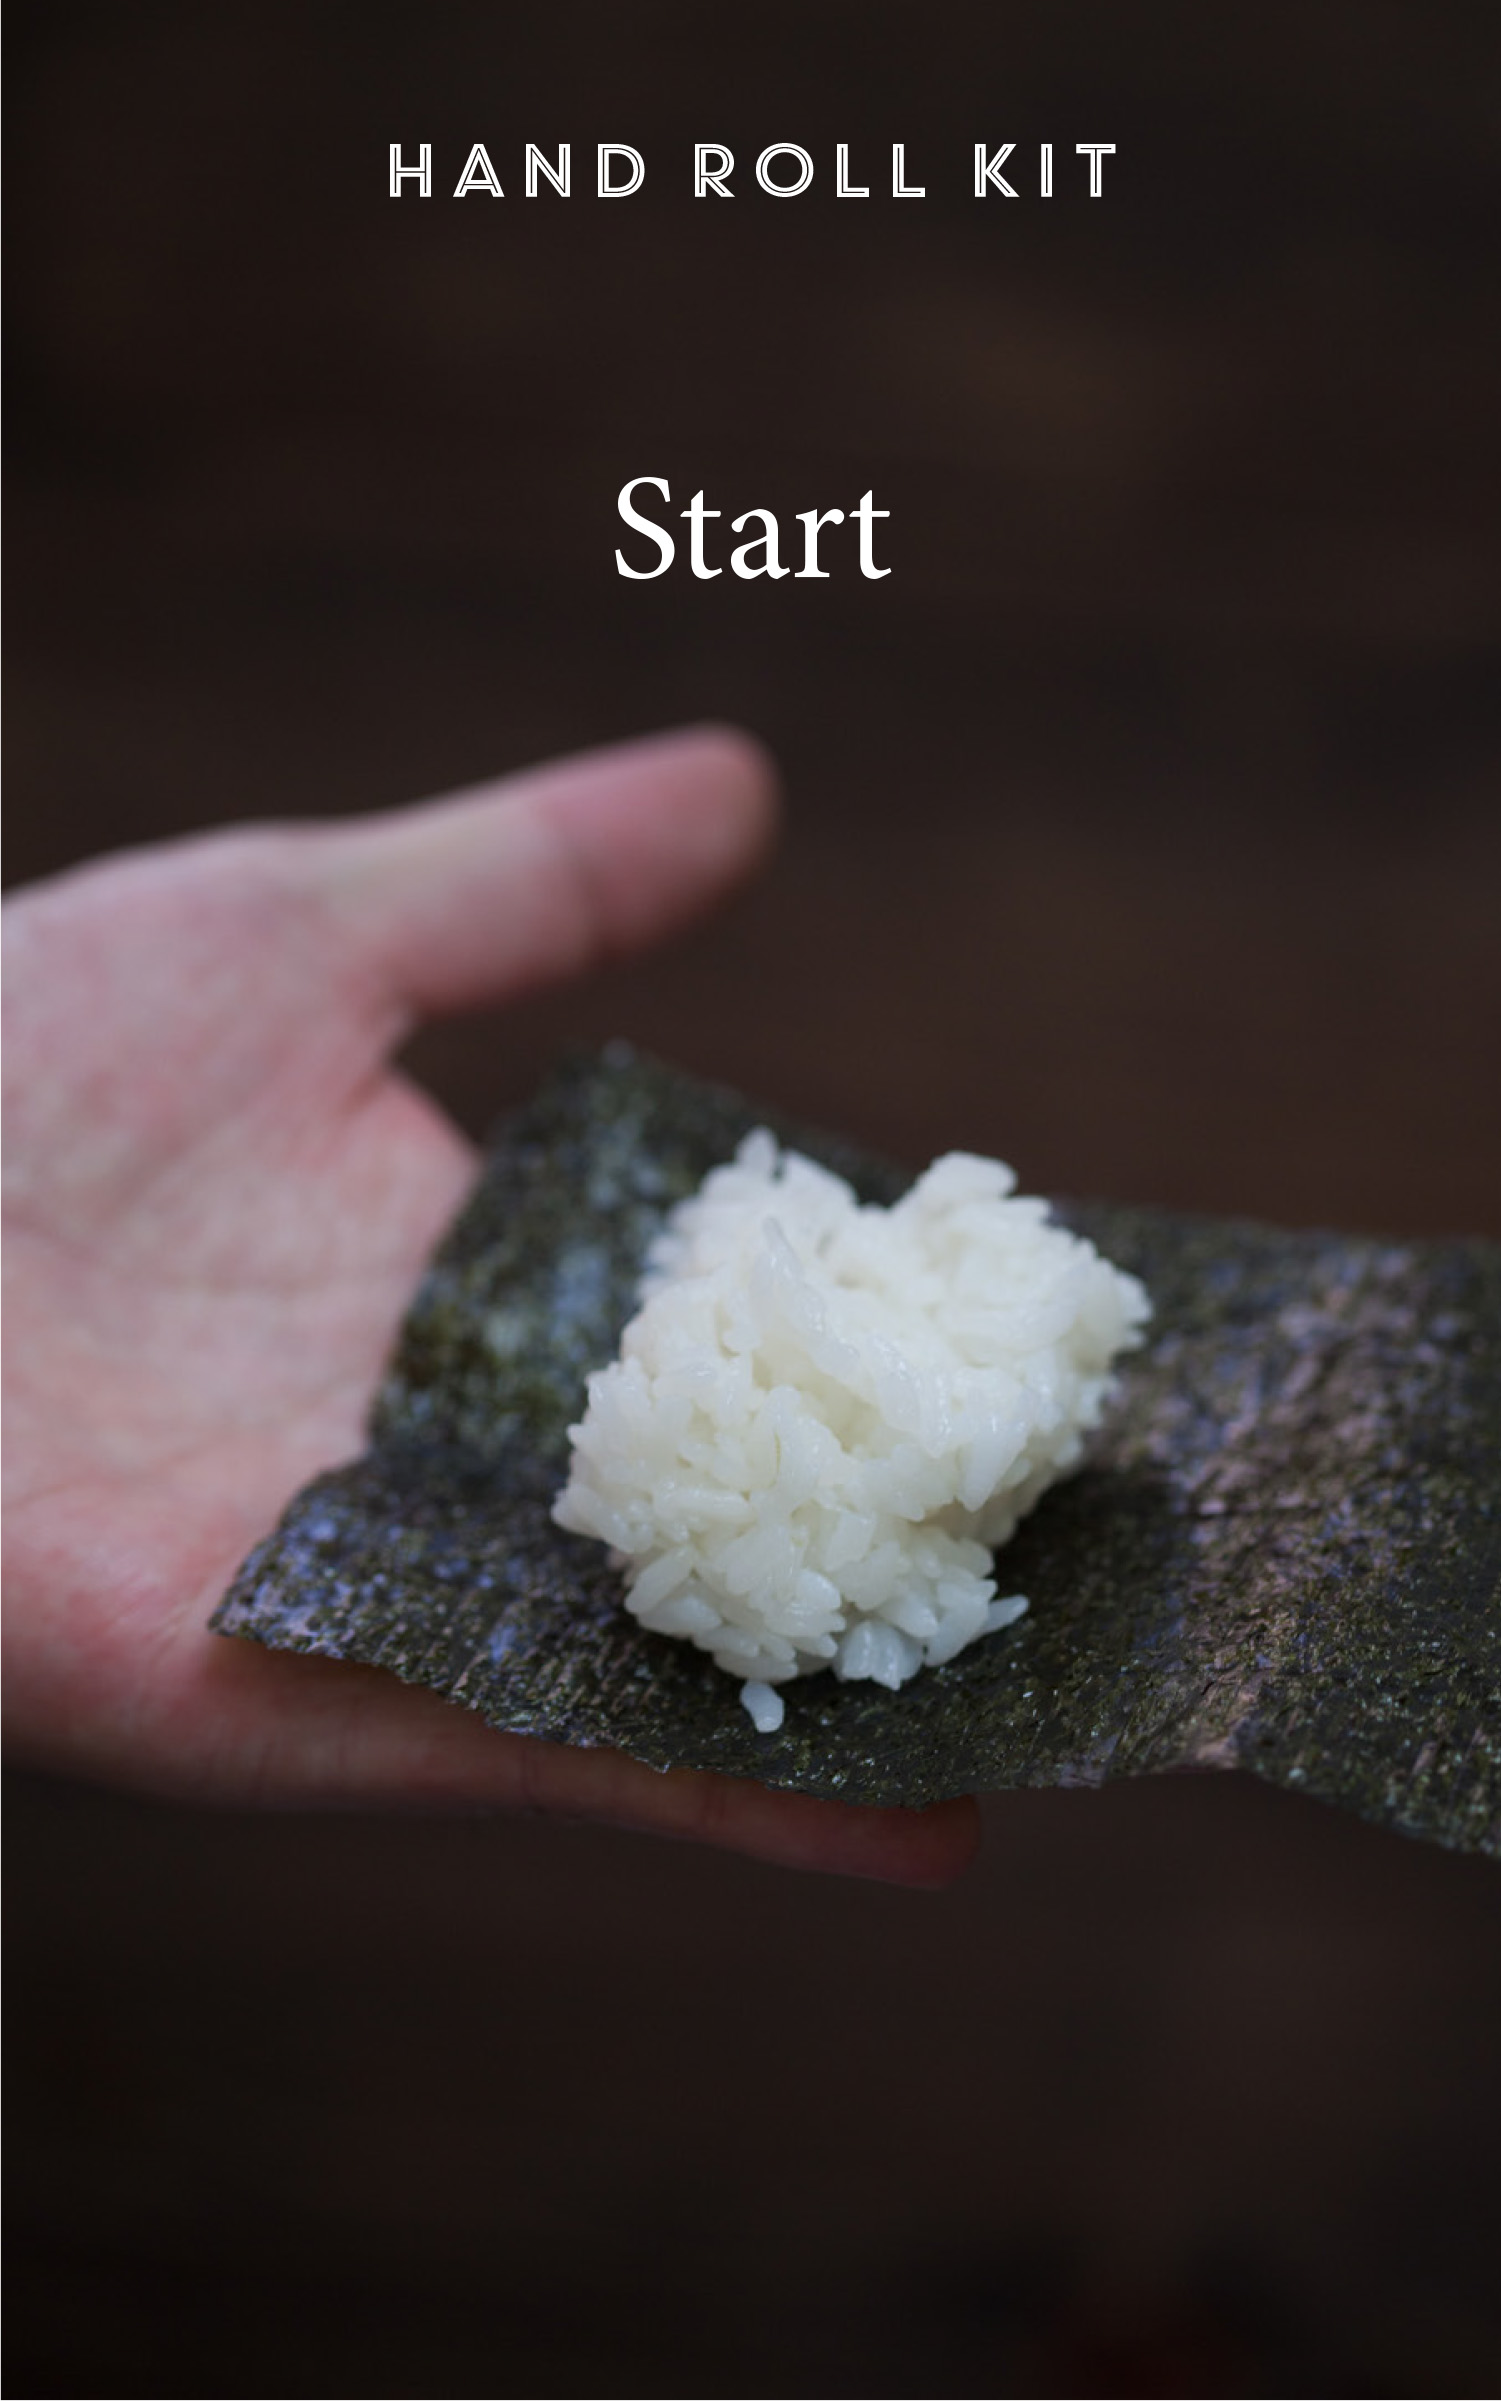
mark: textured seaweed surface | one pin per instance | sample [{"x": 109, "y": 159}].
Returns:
[{"x": 1284, "y": 1554}]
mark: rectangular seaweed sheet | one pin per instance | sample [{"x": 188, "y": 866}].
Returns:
[{"x": 1284, "y": 1553}]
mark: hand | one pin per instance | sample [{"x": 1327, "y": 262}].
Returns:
[{"x": 219, "y": 1198}]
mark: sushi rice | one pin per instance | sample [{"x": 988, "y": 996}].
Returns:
[{"x": 825, "y": 1417}]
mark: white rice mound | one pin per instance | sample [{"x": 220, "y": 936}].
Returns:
[{"x": 825, "y": 1417}]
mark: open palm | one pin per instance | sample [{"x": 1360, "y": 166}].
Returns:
[{"x": 219, "y": 1199}]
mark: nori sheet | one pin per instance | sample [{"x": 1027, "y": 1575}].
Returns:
[{"x": 1284, "y": 1553}]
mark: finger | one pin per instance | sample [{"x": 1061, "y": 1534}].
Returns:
[
  {"x": 246, "y": 1725},
  {"x": 469, "y": 900},
  {"x": 346, "y": 1734}
]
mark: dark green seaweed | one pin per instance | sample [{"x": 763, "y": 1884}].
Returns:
[{"x": 1284, "y": 1554}]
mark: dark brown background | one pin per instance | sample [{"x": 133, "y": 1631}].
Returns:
[{"x": 1143, "y": 829}]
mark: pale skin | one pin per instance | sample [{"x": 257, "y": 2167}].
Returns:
[{"x": 219, "y": 1195}]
